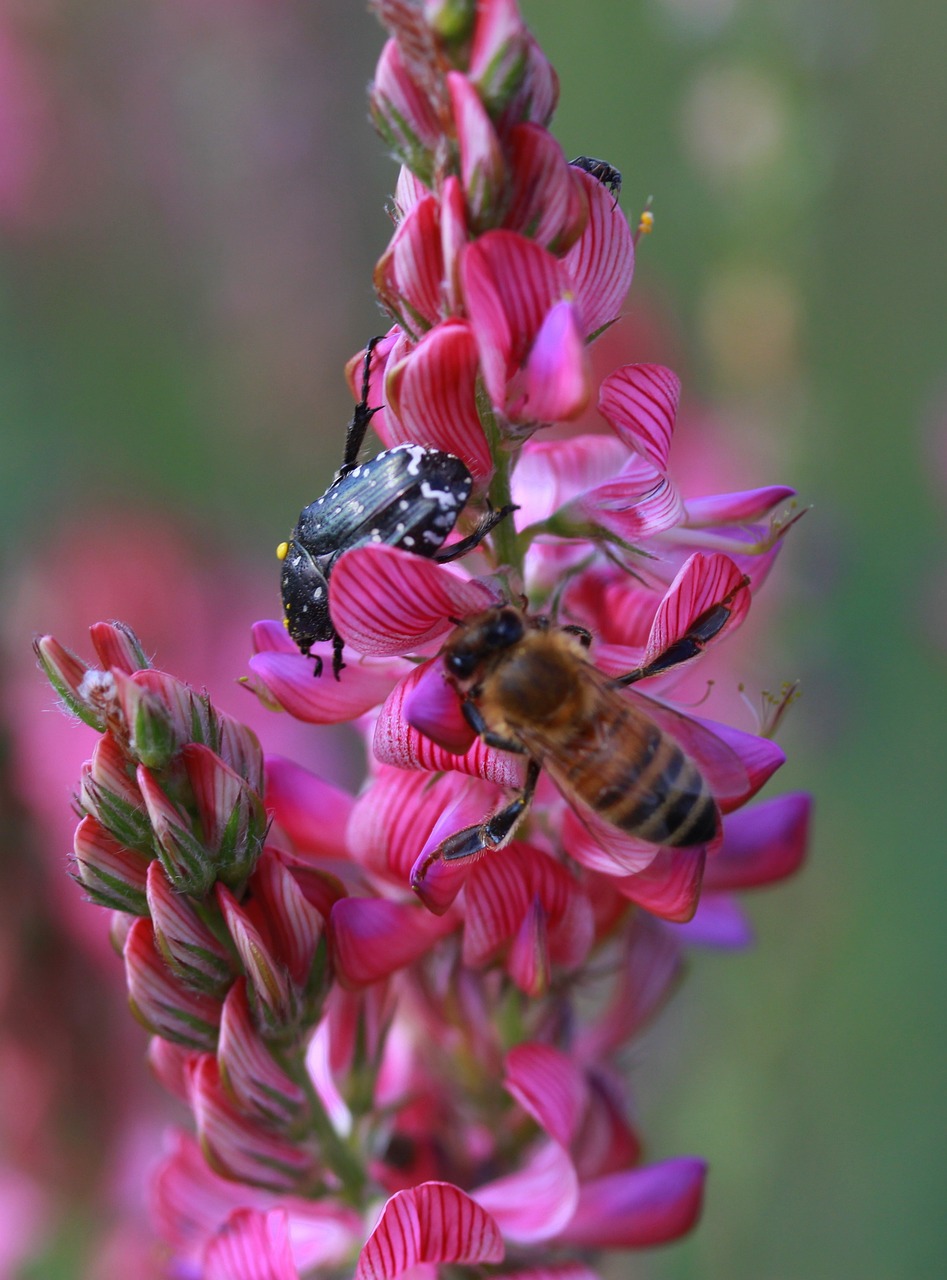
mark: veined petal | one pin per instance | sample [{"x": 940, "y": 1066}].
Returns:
[
  {"x": 434, "y": 1222},
  {"x": 640, "y": 402},
  {"x": 433, "y": 393},
  {"x": 538, "y": 93},
  {"x": 189, "y": 948},
  {"x": 703, "y": 582},
  {"x": 640, "y": 1207},
  {"x": 248, "y": 1069},
  {"x": 117, "y": 647},
  {"x": 669, "y": 886},
  {"x": 409, "y": 275},
  {"x": 762, "y": 844},
  {"x": 401, "y": 112},
  {"x": 550, "y": 1086},
  {"x": 312, "y": 812},
  {"x": 111, "y": 874},
  {"x": 295, "y": 925},
  {"x": 599, "y": 266},
  {"x": 454, "y": 235},
  {"x": 510, "y": 283},
  {"x": 635, "y": 505},
  {"x": 482, "y": 168},
  {"x": 497, "y": 61},
  {"x": 548, "y": 203},
  {"x": 736, "y": 508},
  {"x": 557, "y": 379},
  {"x": 537, "y": 1201},
  {"x": 388, "y": 601},
  {"x": 288, "y": 678},
  {"x": 527, "y": 961},
  {"x": 550, "y": 473},
  {"x": 409, "y": 189},
  {"x": 372, "y": 937},
  {"x": 162, "y": 1003},
  {"x": 251, "y": 1246}
]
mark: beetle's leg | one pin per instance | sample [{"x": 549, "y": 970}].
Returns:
[
  {"x": 317, "y": 669},
  {"x": 497, "y": 830},
  {"x": 489, "y": 521},
  {"x": 362, "y": 416},
  {"x": 691, "y": 643},
  {"x": 337, "y": 645}
]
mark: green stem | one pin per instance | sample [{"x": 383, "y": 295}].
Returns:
[
  {"x": 334, "y": 1151},
  {"x": 507, "y": 547}
]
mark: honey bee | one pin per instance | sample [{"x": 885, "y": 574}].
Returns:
[{"x": 526, "y": 685}]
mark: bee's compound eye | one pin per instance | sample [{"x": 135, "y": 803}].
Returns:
[
  {"x": 461, "y": 664},
  {"x": 505, "y": 630}
]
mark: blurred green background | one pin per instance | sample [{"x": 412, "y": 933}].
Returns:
[{"x": 191, "y": 202}]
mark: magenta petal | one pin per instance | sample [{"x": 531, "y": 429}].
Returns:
[
  {"x": 650, "y": 969},
  {"x": 251, "y": 1245},
  {"x": 759, "y": 758},
  {"x": 482, "y": 168},
  {"x": 640, "y": 402},
  {"x": 432, "y": 706},
  {"x": 500, "y": 892},
  {"x": 433, "y": 392},
  {"x": 669, "y": 886},
  {"x": 719, "y": 922},
  {"x": 551, "y": 473},
  {"x": 409, "y": 275},
  {"x": 635, "y": 505},
  {"x": 536, "y": 1202},
  {"x": 599, "y": 266},
  {"x": 372, "y": 937},
  {"x": 550, "y": 1086},
  {"x": 269, "y": 636},
  {"x": 548, "y": 202},
  {"x": 736, "y": 508},
  {"x": 313, "y": 813},
  {"x": 388, "y": 601},
  {"x": 527, "y": 962},
  {"x": 289, "y": 680},
  {"x": 702, "y": 582},
  {"x": 640, "y": 1207},
  {"x": 762, "y": 844},
  {"x": 433, "y": 1222},
  {"x": 558, "y": 376}
]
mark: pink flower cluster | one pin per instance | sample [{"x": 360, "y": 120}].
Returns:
[{"x": 388, "y": 1054}]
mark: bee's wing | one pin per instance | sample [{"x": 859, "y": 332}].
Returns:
[{"x": 727, "y": 773}]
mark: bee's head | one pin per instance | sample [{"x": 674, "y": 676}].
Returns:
[{"x": 480, "y": 637}]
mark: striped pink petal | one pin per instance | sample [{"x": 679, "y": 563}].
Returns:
[
  {"x": 288, "y": 680},
  {"x": 669, "y": 886},
  {"x": 497, "y": 49},
  {"x": 409, "y": 275},
  {"x": 159, "y": 1000},
  {"x": 433, "y": 393},
  {"x": 636, "y": 504},
  {"x": 538, "y": 93},
  {"x": 250, "y": 1246},
  {"x": 550, "y": 473},
  {"x": 387, "y": 601},
  {"x": 702, "y": 582},
  {"x": 557, "y": 378},
  {"x": 599, "y": 266},
  {"x": 537, "y": 1201},
  {"x": 548, "y": 203},
  {"x": 640, "y": 1207},
  {"x": 482, "y": 167},
  {"x": 736, "y": 508},
  {"x": 640, "y": 402},
  {"x": 189, "y": 948},
  {"x": 295, "y": 925},
  {"x": 550, "y": 1086},
  {"x": 434, "y": 1222},
  {"x": 762, "y": 844},
  {"x": 402, "y": 112},
  {"x": 312, "y": 812},
  {"x": 510, "y": 283},
  {"x": 372, "y": 937},
  {"x": 527, "y": 961},
  {"x": 248, "y": 1069},
  {"x": 409, "y": 189},
  {"x": 454, "y": 235}
]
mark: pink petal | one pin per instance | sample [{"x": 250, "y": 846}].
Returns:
[
  {"x": 528, "y": 960},
  {"x": 537, "y": 1201},
  {"x": 437, "y": 882},
  {"x": 251, "y": 1246},
  {"x": 294, "y": 924},
  {"x": 289, "y": 679},
  {"x": 404, "y": 109},
  {"x": 371, "y": 937},
  {"x": 409, "y": 191},
  {"x": 762, "y": 844},
  {"x": 548, "y": 203},
  {"x": 557, "y": 380},
  {"x": 454, "y": 235},
  {"x": 635, "y": 505},
  {"x": 249, "y": 1070},
  {"x": 388, "y": 601},
  {"x": 669, "y": 886},
  {"x": 433, "y": 392},
  {"x": 482, "y": 168},
  {"x": 510, "y": 283},
  {"x": 162, "y": 1003},
  {"x": 313, "y": 813},
  {"x": 640, "y": 1207},
  {"x": 598, "y": 845},
  {"x": 703, "y": 582},
  {"x": 434, "y": 1222},
  {"x": 432, "y": 706},
  {"x": 759, "y": 759},
  {"x": 651, "y": 966},
  {"x": 409, "y": 275},
  {"x": 538, "y": 94},
  {"x": 550, "y": 1086},
  {"x": 736, "y": 508},
  {"x": 640, "y": 402},
  {"x": 497, "y": 49},
  {"x": 719, "y": 922},
  {"x": 550, "y": 473},
  {"x": 270, "y": 636},
  {"x": 599, "y": 266}
]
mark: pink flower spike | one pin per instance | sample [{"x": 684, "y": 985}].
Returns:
[
  {"x": 482, "y": 168},
  {"x": 433, "y": 397},
  {"x": 251, "y": 1246},
  {"x": 537, "y": 1201},
  {"x": 372, "y": 937},
  {"x": 248, "y": 1069},
  {"x": 287, "y": 680},
  {"x": 638, "y": 1208},
  {"x": 313, "y": 813},
  {"x": 159, "y": 1001},
  {"x": 430, "y": 705},
  {"x": 703, "y": 583},
  {"x": 669, "y": 887},
  {"x": 549, "y": 1085},
  {"x": 557, "y": 380},
  {"x": 599, "y": 266},
  {"x": 762, "y": 844},
  {"x": 434, "y": 1222},
  {"x": 388, "y": 601},
  {"x": 640, "y": 402}
]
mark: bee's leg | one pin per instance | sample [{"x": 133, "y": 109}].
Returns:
[
  {"x": 362, "y": 416},
  {"x": 701, "y": 631},
  {"x": 497, "y": 830},
  {"x": 476, "y": 721},
  {"x": 489, "y": 521},
  {"x": 582, "y": 634}
]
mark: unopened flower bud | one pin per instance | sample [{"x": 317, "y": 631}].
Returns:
[
  {"x": 118, "y": 647},
  {"x": 159, "y": 1001},
  {"x": 186, "y": 861},
  {"x": 190, "y": 949},
  {"x": 112, "y": 875},
  {"x": 233, "y": 819},
  {"x": 152, "y": 739},
  {"x": 108, "y": 792},
  {"x": 66, "y": 673}
]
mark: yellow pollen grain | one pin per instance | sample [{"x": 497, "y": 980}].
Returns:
[
  {"x": 646, "y": 223},
  {"x": 282, "y": 551}
]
